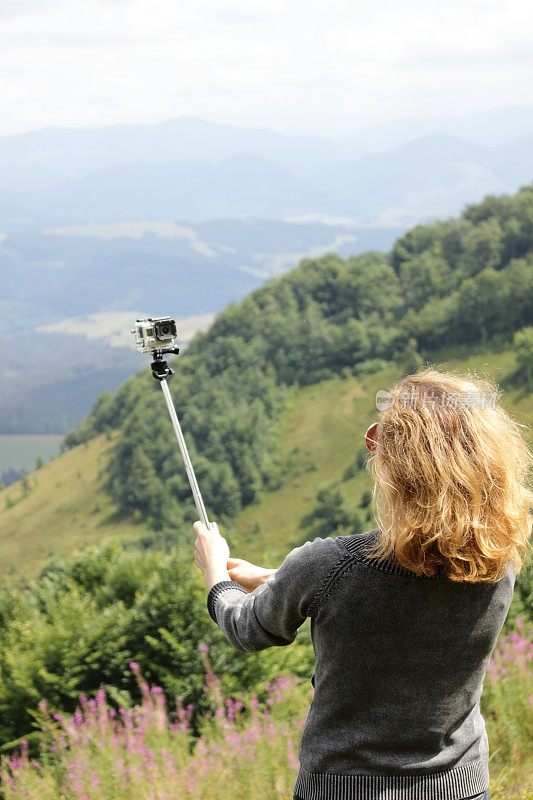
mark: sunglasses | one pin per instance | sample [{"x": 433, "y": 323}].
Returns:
[{"x": 371, "y": 436}]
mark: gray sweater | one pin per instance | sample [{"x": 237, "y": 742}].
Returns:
[{"x": 400, "y": 662}]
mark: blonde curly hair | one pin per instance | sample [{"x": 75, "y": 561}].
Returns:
[{"x": 450, "y": 474}]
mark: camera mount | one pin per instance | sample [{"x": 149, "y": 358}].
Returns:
[{"x": 160, "y": 369}]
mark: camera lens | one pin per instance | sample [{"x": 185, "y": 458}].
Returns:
[{"x": 165, "y": 330}]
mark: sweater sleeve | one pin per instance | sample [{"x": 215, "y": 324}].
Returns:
[{"x": 272, "y": 613}]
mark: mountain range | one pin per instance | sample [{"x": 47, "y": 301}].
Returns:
[
  {"x": 42, "y": 158},
  {"x": 430, "y": 176}
]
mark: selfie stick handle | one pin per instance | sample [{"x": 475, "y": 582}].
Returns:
[
  {"x": 184, "y": 453},
  {"x": 162, "y": 372}
]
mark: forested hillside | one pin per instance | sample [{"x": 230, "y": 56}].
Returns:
[
  {"x": 451, "y": 284},
  {"x": 273, "y": 399}
]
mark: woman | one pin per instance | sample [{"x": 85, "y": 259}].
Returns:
[{"x": 404, "y": 617}]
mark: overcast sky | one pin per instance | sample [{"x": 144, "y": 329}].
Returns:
[{"x": 323, "y": 66}]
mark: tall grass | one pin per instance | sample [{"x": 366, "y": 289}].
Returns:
[
  {"x": 507, "y": 706},
  {"x": 245, "y": 749}
]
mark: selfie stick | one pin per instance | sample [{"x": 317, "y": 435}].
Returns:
[{"x": 161, "y": 372}]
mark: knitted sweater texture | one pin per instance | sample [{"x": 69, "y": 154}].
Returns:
[{"x": 400, "y": 663}]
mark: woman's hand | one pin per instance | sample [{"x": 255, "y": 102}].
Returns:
[
  {"x": 213, "y": 558},
  {"x": 211, "y": 553},
  {"x": 248, "y": 575}
]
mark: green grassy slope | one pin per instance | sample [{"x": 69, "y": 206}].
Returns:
[
  {"x": 322, "y": 428},
  {"x": 65, "y": 507}
]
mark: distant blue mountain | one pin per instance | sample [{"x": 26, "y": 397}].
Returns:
[
  {"x": 236, "y": 186},
  {"x": 434, "y": 175},
  {"x": 42, "y": 158},
  {"x": 37, "y": 159},
  {"x": 497, "y": 126}
]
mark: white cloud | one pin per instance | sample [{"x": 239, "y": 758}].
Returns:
[{"x": 305, "y": 65}]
